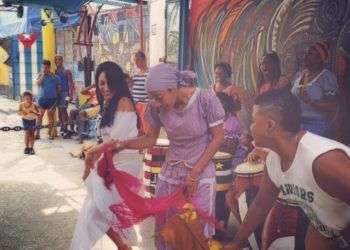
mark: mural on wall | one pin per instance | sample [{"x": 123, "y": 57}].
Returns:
[
  {"x": 240, "y": 31},
  {"x": 118, "y": 36},
  {"x": 71, "y": 53},
  {"x": 172, "y": 31}
]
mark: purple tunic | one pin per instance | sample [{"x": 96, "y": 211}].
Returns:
[
  {"x": 232, "y": 127},
  {"x": 188, "y": 132}
]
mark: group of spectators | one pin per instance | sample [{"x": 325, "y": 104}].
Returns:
[
  {"x": 323, "y": 100},
  {"x": 57, "y": 90}
]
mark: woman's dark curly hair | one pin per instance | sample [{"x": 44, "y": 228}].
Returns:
[
  {"x": 228, "y": 103},
  {"x": 117, "y": 84}
]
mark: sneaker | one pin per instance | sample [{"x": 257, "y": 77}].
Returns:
[
  {"x": 67, "y": 136},
  {"x": 31, "y": 151},
  {"x": 72, "y": 132},
  {"x": 26, "y": 151}
]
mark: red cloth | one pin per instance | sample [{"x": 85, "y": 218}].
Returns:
[
  {"x": 134, "y": 207},
  {"x": 141, "y": 110}
]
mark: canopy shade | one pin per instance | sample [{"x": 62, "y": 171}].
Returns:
[{"x": 69, "y": 6}]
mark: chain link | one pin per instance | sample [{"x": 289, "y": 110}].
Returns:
[{"x": 19, "y": 128}]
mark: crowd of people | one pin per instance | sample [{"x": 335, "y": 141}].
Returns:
[{"x": 291, "y": 131}]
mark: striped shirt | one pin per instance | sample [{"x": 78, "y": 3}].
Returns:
[{"x": 139, "y": 93}]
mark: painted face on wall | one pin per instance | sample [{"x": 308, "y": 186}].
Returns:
[{"x": 106, "y": 92}]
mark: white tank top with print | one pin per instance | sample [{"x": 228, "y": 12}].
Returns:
[{"x": 298, "y": 187}]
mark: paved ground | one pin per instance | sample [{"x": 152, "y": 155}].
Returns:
[{"x": 40, "y": 195}]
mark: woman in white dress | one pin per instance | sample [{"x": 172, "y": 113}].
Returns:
[{"x": 119, "y": 121}]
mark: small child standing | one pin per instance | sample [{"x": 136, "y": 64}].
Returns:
[
  {"x": 232, "y": 126},
  {"x": 29, "y": 112},
  {"x": 236, "y": 141}
]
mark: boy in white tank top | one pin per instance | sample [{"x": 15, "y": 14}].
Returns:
[{"x": 303, "y": 169}]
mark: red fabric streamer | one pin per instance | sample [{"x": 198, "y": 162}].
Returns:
[{"x": 134, "y": 207}]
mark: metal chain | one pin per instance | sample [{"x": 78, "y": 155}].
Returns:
[{"x": 19, "y": 128}]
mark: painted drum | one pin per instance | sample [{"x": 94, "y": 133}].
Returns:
[
  {"x": 153, "y": 160},
  {"x": 245, "y": 188},
  {"x": 224, "y": 179}
]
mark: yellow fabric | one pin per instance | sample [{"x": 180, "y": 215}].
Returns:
[
  {"x": 223, "y": 187},
  {"x": 92, "y": 112},
  {"x": 3, "y": 55},
  {"x": 189, "y": 214},
  {"x": 214, "y": 245},
  {"x": 4, "y": 74},
  {"x": 83, "y": 99},
  {"x": 28, "y": 113},
  {"x": 184, "y": 232}
]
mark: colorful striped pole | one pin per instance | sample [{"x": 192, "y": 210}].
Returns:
[
  {"x": 49, "y": 47},
  {"x": 48, "y": 35}
]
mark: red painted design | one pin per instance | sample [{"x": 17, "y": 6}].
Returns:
[{"x": 27, "y": 39}]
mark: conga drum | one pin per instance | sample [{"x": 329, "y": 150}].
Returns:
[
  {"x": 224, "y": 178},
  {"x": 153, "y": 160},
  {"x": 285, "y": 228},
  {"x": 245, "y": 187}
]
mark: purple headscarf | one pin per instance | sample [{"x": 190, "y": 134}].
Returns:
[
  {"x": 188, "y": 77},
  {"x": 164, "y": 76}
]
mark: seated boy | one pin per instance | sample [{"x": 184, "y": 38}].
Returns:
[{"x": 88, "y": 109}]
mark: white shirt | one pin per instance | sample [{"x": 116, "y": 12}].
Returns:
[
  {"x": 298, "y": 186},
  {"x": 139, "y": 92}
]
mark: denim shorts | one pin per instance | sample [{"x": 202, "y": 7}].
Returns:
[
  {"x": 46, "y": 103},
  {"x": 28, "y": 124}
]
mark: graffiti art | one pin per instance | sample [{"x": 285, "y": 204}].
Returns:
[{"x": 241, "y": 31}]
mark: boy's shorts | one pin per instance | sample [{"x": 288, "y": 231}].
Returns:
[
  {"x": 28, "y": 124},
  {"x": 46, "y": 103}
]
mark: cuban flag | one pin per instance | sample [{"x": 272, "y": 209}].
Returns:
[{"x": 27, "y": 57}]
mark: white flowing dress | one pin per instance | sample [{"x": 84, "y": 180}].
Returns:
[{"x": 95, "y": 217}]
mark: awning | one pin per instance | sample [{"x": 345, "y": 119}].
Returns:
[
  {"x": 11, "y": 25},
  {"x": 69, "y": 6}
]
